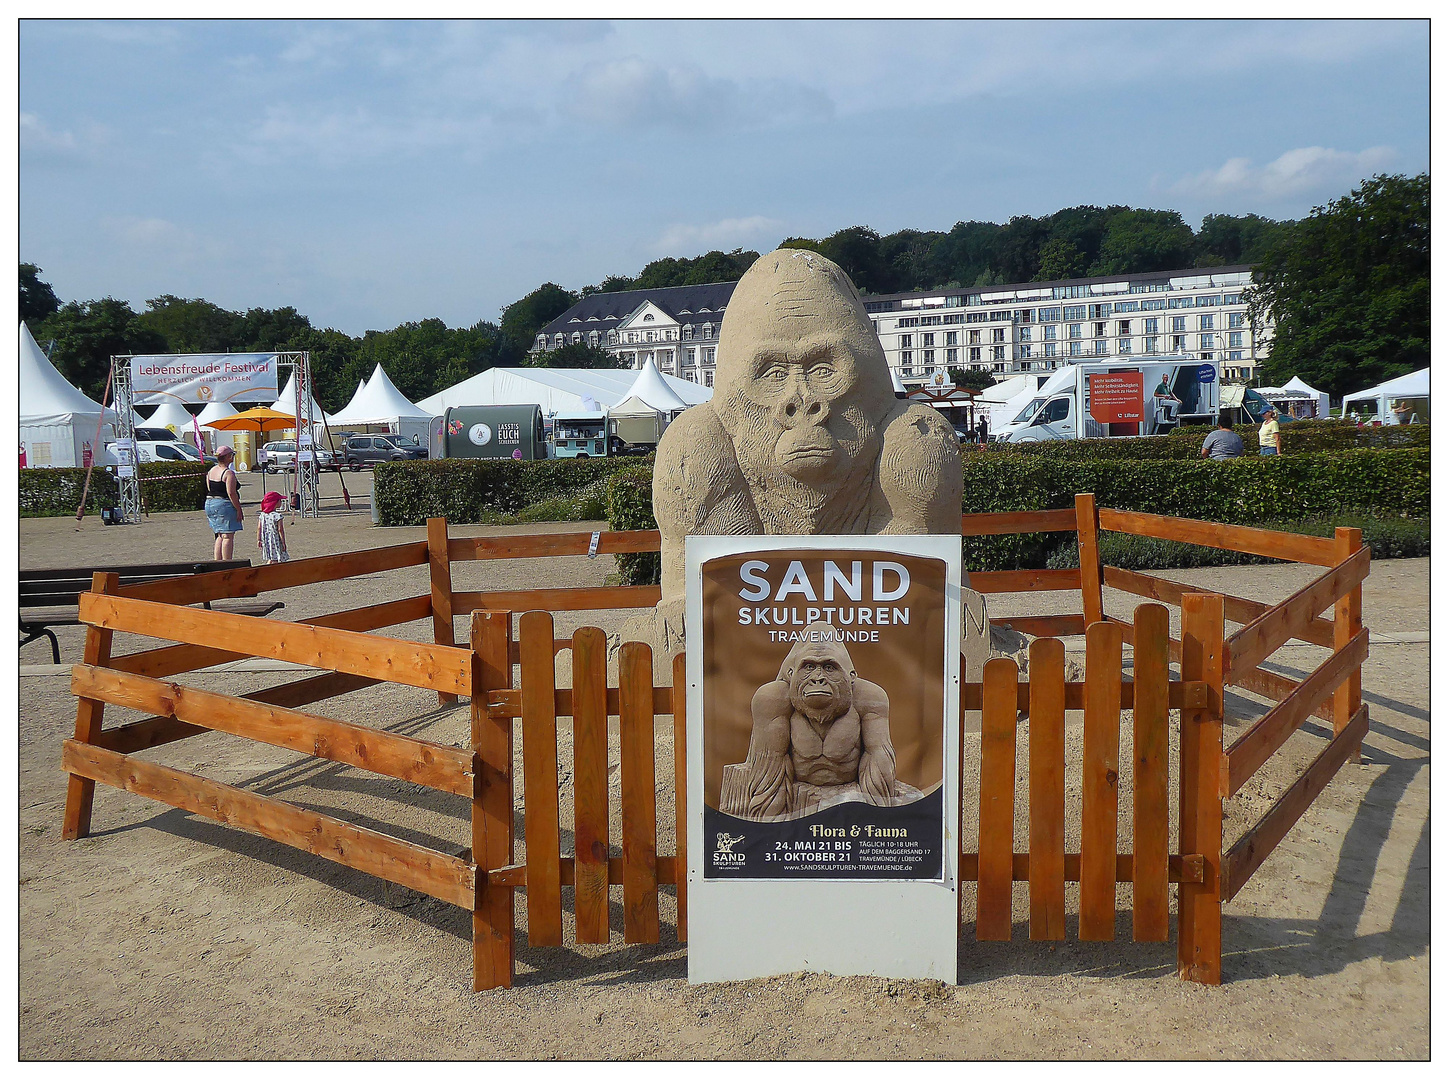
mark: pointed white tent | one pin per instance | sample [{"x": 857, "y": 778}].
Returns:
[
  {"x": 377, "y": 402},
  {"x": 57, "y": 421},
  {"x": 896, "y": 384},
  {"x": 650, "y": 393},
  {"x": 171, "y": 415},
  {"x": 1318, "y": 396},
  {"x": 361, "y": 385},
  {"x": 287, "y": 402}
]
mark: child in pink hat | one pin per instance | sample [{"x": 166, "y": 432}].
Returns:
[{"x": 271, "y": 536}]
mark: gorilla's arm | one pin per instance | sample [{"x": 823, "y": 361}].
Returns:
[
  {"x": 919, "y": 485},
  {"x": 877, "y": 755},
  {"x": 770, "y": 774},
  {"x": 698, "y": 489}
]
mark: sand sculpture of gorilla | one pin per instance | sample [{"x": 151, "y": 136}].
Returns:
[
  {"x": 820, "y": 735},
  {"x": 804, "y": 434}
]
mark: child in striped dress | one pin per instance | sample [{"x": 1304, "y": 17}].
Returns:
[{"x": 271, "y": 536}]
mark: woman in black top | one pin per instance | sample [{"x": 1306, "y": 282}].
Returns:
[{"x": 223, "y": 503}]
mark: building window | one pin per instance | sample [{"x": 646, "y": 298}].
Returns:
[
  {"x": 951, "y": 355},
  {"x": 1049, "y": 349},
  {"x": 928, "y": 340},
  {"x": 953, "y": 337},
  {"x": 1074, "y": 330},
  {"x": 648, "y": 318},
  {"x": 1236, "y": 320},
  {"x": 1235, "y": 356},
  {"x": 1205, "y": 341},
  {"x": 709, "y": 376},
  {"x": 975, "y": 356},
  {"x": 543, "y": 341},
  {"x": 1026, "y": 333},
  {"x": 1099, "y": 348},
  {"x": 1048, "y": 333},
  {"x": 688, "y": 331},
  {"x": 1149, "y": 345},
  {"x": 689, "y": 357},
  {"x": 1099, "y": 329},
  {"x": 1179, "y": 342},
  {"x": 1204, "y": 322},
  {"x": 1100, "y": 311},
  {"x": 1149, "y": 326},
  {"x": 708, "y": 359},
  {"x": 1235, "y": 339},
  {"x": 928, "y": 357},
  {"x": 905, "y": 358},
  {"x": 905, "y": 341},
  {"x": 999, "y": 334},
  {"x": 1074, "y": 348},
  {"x": 1124, "y": 326},
  {"x": 1179, "y": 323},
  {"x": 1124, "y": 345},
  {"x": 998, "y": 352},
  {"x": 648, "y": 335},
  {"x": 1074, "y": 311},
  {"x": 613, "y": 337},
  {"x": 1049, "y": 314},
  {"x": 708, "y": 331},
  {"x": 1026, "y": 351},
  {"x": 908, "y": 371},
  {"x": 975, "y": 336}
]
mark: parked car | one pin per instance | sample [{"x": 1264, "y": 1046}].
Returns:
[
  {"x": 281, "y": 456},
  {"x": 155, "y": 450},
  {"x": 370, "y": 449}
]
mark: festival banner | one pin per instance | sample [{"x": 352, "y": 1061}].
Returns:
[{"x": 201, "y": 378}]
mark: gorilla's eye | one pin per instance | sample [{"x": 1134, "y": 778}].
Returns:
[{"x": 829, "y": 665}]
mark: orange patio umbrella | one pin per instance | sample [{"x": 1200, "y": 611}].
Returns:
[{"x": 259, "y": 420}]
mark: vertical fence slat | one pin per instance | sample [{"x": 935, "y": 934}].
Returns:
[
  {"x": 636, "y": 764},
  {"x": 1046, "y": 786},
  {"x": 440, "y": 575},
  {"x": 591, "y": 786},
  {"x": 80, "y": 791},
  {"x": 1088, "y": 558},
  {"x": 1149, "y": 773},
  {"x": 1347, "y": 621},
  {"x": 681, "y": 815},
  {"x": 492, "y": 810},
  {"x": 998, "y": 794},
  {"x": 540, "y": 779},
  {"x": 1200, "y": 815},
  {"x": 1101, "y": 723}
]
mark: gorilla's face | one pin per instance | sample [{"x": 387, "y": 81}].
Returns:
[
  {"x": 801, "y": 403},
  {"x": 822, "y": 685}
]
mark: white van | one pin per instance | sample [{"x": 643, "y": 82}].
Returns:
[{"x": 1133, "y": 398}]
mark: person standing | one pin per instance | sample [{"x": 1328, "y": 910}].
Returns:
[
  {"x": 983, "y": 430},
  {"x": 271, "y": 534},
  {"x": 223, "y": 503},
  {"x": 1222, "y": 443},
  {"x": 1269, "y": 440}
]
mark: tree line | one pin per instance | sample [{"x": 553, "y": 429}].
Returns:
[{"x": 1346, "y": 287}]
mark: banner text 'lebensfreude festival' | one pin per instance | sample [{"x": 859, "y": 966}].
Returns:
[{"x": 201, "y": 378}]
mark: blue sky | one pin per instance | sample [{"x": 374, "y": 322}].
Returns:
[{"x": 373, "y": 173}]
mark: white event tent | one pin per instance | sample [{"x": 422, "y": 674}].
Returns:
[
  {"x": 57, "y": 421},
  {"x": 287, "y": 403},
  {"x": 172, "y": 415},
  {"x": 554, "y": 390},
  {"x": 649, "y": 394},
  {"x": 1318, "y": 396},
  {"x": 377, "y": 401},
  {"x": 1405, "y": 387}
]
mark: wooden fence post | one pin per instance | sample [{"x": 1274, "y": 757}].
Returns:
[
  {"x": 80, "y": 791},
  {"x": 1200, "y": 814},
  {"x": 492, "y": 816},
  {"x": 440, "y": 570},
  {"x": 1347, "y": 621},
  {"x": 1088, "y": 558},
  {"x": 681, "y": 805}
]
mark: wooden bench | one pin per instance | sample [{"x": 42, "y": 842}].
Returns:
[{"x": 50, "y": 597}]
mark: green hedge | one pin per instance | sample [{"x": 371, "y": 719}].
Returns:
[
  {"x": 1185, "y": 444},
  {"x": 631, "y": 506},
  {"x": 57, "y": 492},
  {"x": 472, "y": 491}
]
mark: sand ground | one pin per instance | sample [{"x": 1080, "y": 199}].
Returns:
[{"x": 164, "y": 935}]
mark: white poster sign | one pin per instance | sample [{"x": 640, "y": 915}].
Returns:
[
  {"x": 822, "y": 751},
  {"x": 201, "y": 378}
]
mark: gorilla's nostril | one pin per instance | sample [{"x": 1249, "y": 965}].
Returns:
[
  {"x": 814, "y": 408},
  {"x": 790, "y": 409}
]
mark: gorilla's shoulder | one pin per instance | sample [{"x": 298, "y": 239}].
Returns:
[
  {"x": 696, "y": 442},
  {"x": 912, "y": 420}
]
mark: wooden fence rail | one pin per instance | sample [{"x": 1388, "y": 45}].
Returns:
[{"x": 483, "y": 879}]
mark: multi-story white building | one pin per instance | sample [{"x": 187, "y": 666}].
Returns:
[
  {"x": 1038, "y": 326},
  {"x": 677, "y": 328},
  {"x": 1006, "y": 330}
]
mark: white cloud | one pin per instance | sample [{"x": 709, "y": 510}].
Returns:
[
  {"x": 39, "y": 143},
  {"x": 1303, "y": 171},
  {"x": 724, "y": 235}
]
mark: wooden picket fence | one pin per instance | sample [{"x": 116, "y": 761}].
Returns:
[{"x": 482, "y": 878}]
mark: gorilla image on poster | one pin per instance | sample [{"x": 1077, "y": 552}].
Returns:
[{"x": 823, "y": 715}]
